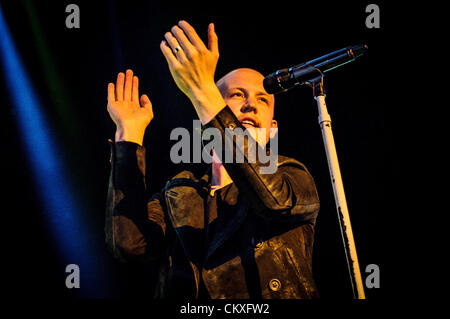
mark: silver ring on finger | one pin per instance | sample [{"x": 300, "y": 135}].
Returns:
[{"x": 176, "y": 50}]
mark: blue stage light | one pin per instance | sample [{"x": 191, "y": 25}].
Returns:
[{"x": 61, "y": 209}]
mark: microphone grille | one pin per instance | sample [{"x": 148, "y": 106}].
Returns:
[
  {"x": 275, "y": 82},
  {"x": 270, "y": 84}
]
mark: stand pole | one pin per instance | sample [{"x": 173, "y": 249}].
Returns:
[{"x": 338, "y": 189}]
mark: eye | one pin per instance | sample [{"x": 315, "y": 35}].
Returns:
[
  {"x": 237, "y": 94},
  {"x": 264, "y": 100}
]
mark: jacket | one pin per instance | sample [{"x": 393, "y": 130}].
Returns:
[{"x": 263, "y": 250}]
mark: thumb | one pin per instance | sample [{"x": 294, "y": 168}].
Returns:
[
  {"x": 213, "y": 45},
  {"x": 145, "y": 101}
]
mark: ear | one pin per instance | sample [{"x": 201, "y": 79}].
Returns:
[
  {"x": 274, "y": 124},
  {"x": 273, "y": 128}
]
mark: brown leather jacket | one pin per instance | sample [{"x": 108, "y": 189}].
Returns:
[{"x": 263, "y": 251}]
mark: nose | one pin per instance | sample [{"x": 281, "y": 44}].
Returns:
[{"x": 249, "y": 106}]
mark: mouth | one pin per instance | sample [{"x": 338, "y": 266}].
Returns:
[{"x": 249, "y": 122}]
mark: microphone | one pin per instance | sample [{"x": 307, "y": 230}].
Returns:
[{"x": 286, "y": 79}]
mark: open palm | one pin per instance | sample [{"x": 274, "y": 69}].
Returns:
[{"x": 130, "y": 113}]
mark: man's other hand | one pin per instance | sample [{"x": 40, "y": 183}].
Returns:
[
  {"x": 130, "y": 116},
  {"x": 193, "y": 65}
]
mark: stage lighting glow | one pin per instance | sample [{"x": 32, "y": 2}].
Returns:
[{"x": 61, "y": 210}]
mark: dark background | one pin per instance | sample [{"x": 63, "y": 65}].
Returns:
[{"x": 116, "y": 35}]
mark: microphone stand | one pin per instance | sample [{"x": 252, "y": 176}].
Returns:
[{"x": 338, "y": 188}]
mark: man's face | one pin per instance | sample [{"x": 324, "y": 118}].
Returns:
[{"x": 244, "y": 93}]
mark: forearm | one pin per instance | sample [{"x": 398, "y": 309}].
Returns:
[
  {"x": 127, "y": 226},
  {"x": 289, "y": 186}
]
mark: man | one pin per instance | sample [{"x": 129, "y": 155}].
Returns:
[{"x": 232, "y": 232}]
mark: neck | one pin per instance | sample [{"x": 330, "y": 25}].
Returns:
[{"x": 220, "y": 177}]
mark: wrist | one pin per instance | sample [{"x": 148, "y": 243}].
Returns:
[
  {"x": 129, "y": 135},
  {"x": 207, "y": 102}
]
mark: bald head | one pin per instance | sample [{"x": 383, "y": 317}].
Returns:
[
  {"x": 241, "y": 73},
  {"x": 243, "y": 91}
]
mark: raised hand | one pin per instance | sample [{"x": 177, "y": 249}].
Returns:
[
  {"x": 130, "y": 114},
  {"x": 193, "y": 65}
]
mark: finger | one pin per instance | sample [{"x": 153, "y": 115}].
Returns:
[
  {"x": 184, "y": 42},
  {"x": 111, "y": 93},
  {"x": 128, "y": 86},
  {"x": 175, "y": 46},
  {"x": 168, "y": 54},
  {"x": 192, "y": 35},
  {"x": 213, "y": 42},
  {"x": 135, "y": 90},
  {"x": 145, "y": 101},
  {"x": 119, "y": 86}
]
